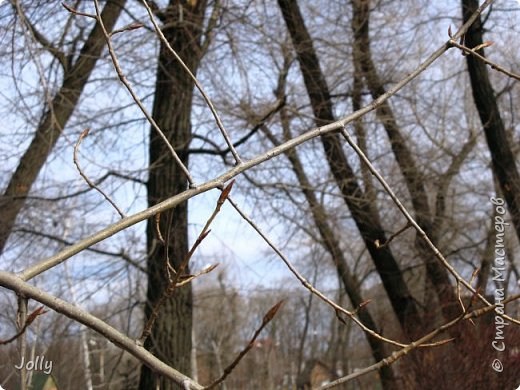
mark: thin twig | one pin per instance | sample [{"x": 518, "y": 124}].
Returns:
[
  {"x": 130, "y": 27},
  {"x": 392, "y": 358},
  {"x": 28, "y": 321},
  {"x": 81, "y": 192},
  {"x": 217, "y": 182},
  {"x": 76, "y": 12},
  {"x": 229, "y": 369},
  {"x": 168, "y": 291},
  {"x": 121, "y": 254},
  {"x": 90, "y": 183},
  {"x": 415, "y": 225},
  {"x": 158, "y": 228},
  {"x": 222, "y": 198},
  {"x": 21, "y": 320},
  {"x": 391, "y": 238},
  {"x": 197, "y": 84},
  {"x": 188, "y": 278},
  {"x": 273, "y": 109},
  {"x": 402, "y": 352},
  {"x": 136, "y": 99},
  {"x": 180, "y": 278},
  {"x": 337, "y": 308},
  {"x": 493, "y": 65}
]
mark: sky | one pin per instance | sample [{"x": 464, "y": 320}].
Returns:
[{"x": 232, "y": 242}]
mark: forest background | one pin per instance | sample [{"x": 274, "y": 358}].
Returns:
[{"x": 357, "y": 162}]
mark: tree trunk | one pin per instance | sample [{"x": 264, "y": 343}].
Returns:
[
  {"x": 436, "y": 273},
  {"x": 54, "y": 121},
  {"x": 362, "y": 211},
  {"x": 170, "y": 339},
  {"x": 332, "y": 245},
  {"x": 502, "y": 158}
]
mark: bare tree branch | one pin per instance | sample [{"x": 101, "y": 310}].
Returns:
[{"x": 17, "y": 285}]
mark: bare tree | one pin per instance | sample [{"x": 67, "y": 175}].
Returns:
[
  {"x": 502, "y": 158},
  {"x": 327, "y": 235},
  {"x": 310, "y": 214},
  {"x": 364, "y": 214},
  {"x": 171, "y": 336},
  {"x": 57, "y": 111}
]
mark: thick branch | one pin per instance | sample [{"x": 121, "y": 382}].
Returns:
[
  {"x": 17, "y": 285},
  {"x": 219, "y": 181}
]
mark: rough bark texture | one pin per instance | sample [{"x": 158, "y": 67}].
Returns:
[
  {"x": 54, "y": 121},
  {"x": 502, "y": 158},
  {"x": 436, "y": 273},
  {"x": 170, "y": 339},
  {"x": 363, "y": 214}
]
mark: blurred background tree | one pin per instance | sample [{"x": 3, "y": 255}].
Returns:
[{"x": 446, "y": 143}]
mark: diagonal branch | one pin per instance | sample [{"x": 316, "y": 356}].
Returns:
[
  {"x": 14, "y": 283},
  {"x": 404, "y": 351},
  {"x": 218, "y": 182},
  {"x": 229, "y": 369},
  {"x": 90, "y": 183},
  {"x": 134, "y": 96},
  {"x": 421, "y": 233},
  {"x": 197, "y": 84},
  {"x": 467, "y": 51}
]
